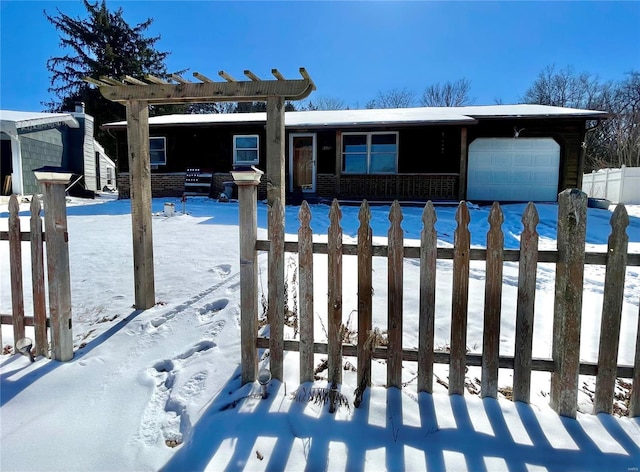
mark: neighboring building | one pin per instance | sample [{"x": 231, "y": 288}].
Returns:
[
  {"x": 482, "y": 153},
  {"x": 31, "y": 140},
  {"x": 106, "y": 170}
]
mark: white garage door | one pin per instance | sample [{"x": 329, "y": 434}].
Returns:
[{"x": 508, "y": 169}]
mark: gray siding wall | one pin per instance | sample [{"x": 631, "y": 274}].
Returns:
[{"x": 38, "y": 149}]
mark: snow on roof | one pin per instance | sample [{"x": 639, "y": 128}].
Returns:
[
  {"x": 15, "y": 120},
  {"x": 378, "y": 117}
]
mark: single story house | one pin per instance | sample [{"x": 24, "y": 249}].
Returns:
[
  {"x": 477, "y": 153},
  {"x": 31, "y": 140}
]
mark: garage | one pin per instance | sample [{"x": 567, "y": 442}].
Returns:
[{"x": 513, "y": 169}]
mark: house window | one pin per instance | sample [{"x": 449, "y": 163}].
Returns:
[
  {"x": 109, "y": 176},
  {"x": 245, "y": 149},
  {"x": 369, "y": 153},
  {"x": 158, "y": 151}
]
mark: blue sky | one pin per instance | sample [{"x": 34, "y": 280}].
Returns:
[{"x": 351, "y": 49}]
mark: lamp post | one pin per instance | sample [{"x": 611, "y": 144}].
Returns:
[
  {"x": 247, "y": 180},
  {"x": 53, "y": 181}
]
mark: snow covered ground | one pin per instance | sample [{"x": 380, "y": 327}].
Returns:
[{"x": 160, "y": 389}]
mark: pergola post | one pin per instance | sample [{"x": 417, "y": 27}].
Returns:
[
  {"x": 275, "y": 193},
  {"x": 140, "y": 184}
]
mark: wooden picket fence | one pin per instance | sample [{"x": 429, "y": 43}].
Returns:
[
  {"x": 58, "y": 275},
  {"x": 570, "y": 258},
  {"x": 36, "y": 237}
]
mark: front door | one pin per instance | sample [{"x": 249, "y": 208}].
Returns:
[{"x": 302, "y": 161}]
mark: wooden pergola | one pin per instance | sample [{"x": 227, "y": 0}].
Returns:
[{"x": 138, "y": 94}]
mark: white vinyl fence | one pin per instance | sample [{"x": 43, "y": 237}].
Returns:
[{"x": 617, "y": 185}]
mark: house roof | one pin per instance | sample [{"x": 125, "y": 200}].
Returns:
[
  {"x": 378, "y": 117},
  {"x": 11, "y": 121}
]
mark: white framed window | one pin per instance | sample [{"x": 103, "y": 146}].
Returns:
[
  {"x": 158, "y": 151},
  {"x": 370, "y": 153},
  {"x": 246, "y": 149}
]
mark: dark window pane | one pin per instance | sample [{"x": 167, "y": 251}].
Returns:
[
  {"x": 246, "y": 142},
  {"x": 156, "y": 143},
  {"x": 246, "y": 156},
  {"x": 157, "y": 156},
  {"x": 383, "y": 139}
]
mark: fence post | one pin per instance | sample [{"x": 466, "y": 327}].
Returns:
[
  {"x": 55, "y": 221},
  {"x": 572, "y": 216},
  {"x": 634, "y": 401},
  {"x": 611, "y": 311},
  {"x": 15, "y": 262},
  {"x": 247, "y": 182}
]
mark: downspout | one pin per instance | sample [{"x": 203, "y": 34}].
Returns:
[
  {"x": 583, "y": 153},
  {"x": 17, "y": 177}
]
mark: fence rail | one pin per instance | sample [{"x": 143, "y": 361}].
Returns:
[{"x": 570, "y": 259}]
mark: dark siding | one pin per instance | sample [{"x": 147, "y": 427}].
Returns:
[
  {"x": 196, "y": 146},
  {"x": 429, "y": 150}
]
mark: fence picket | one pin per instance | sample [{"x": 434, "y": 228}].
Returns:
[
  {"x": 460, "y": 301},
  {"x": 15, "y": 262},
  {"x": 611, "y": 311},
  {"x": 394, "y": 300},
  {"x": 525, "y": 305},
  {"x": 565, "y": 350},
  {"x": 492, "y": 304},
  {"x": 428, "y": 263},
  {"x": 276, "y": 290},
  {"x": 365, "y": 292},
  {"x": 37, "y": 280},
  {"x": 334, "y": 312},
  {"x": 305, "y": 270}
]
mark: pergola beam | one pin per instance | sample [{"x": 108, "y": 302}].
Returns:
[
  {"x": 202, "y": 78},
  {"x": 180, "y": 80},
  {"x": 226, "y": 76},
  {"x": 157, "y": 94},
  {"x": 251, "y": 75}
]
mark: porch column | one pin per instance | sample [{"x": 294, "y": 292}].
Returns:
[
  {"x": 140, "y": 194},
  {"x": 462, "y": 180}
]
